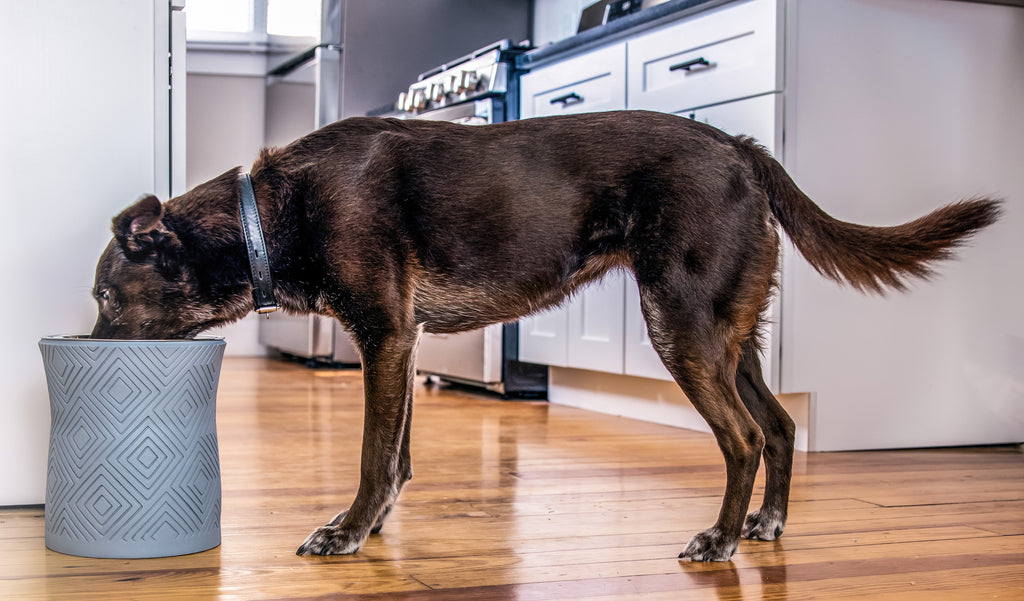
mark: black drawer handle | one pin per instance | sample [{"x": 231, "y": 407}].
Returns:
[
  {"x": 570, "y": 98},
  {"x": 690, "y": 64}
]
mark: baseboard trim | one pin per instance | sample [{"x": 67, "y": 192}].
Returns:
[{"x": 652, "y": 400}]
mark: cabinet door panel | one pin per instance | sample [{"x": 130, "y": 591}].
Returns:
[
  {"x": 596, "y": 321},
  {"x": 586, "y": 332},
  {"x": 543, "y": 338},
  {"x": 640, "y": 357},
  {"x": 755, "y": 117}
]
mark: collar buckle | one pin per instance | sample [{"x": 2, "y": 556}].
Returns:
[{"x": 267, "y": 310}]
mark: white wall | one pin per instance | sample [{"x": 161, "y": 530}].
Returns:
[
  {"x": 224, "y": 124},
  {"x": 893, "y": 108},
  {"x": 77, "y": 116}
]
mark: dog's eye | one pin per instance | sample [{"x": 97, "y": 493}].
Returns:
[{"x": 103, "y": 295}]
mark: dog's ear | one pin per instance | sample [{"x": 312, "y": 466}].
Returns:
[{"x": 139, "y": 229}]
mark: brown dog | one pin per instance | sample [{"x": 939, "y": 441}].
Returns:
[{"x": 398, "y": 227}]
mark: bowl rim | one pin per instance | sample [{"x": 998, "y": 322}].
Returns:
[{"x": 84, "y": 338}]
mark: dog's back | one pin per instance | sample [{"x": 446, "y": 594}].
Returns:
[{"x": 560, "y": 201}]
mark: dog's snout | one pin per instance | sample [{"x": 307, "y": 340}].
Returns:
[
  {"x": 101, "y": 329},
  {"x": 104, "y": 329}
]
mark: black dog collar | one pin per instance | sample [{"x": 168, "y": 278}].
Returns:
[{"x": 259, "y": 262}]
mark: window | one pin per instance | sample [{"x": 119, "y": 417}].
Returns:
[
  {"x": 293, "y": 18},
  {"x": 252, "y": 21},
  {"x": 219, "y": 16}
]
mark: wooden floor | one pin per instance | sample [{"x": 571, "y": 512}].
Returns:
[{"x": 531, "y": 501}]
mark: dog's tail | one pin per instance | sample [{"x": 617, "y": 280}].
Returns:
[{"x": 870, "y": 259}]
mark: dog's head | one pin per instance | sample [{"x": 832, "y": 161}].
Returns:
[{"x": 144, "y": 286}]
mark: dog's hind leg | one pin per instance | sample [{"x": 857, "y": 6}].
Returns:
[
  {"x": 388, "y": 370},
  {"x": 701, "y": 351},
  {"x": 768, "y": 522}
]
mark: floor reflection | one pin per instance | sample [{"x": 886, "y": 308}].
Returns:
[{"x": 732, "y": 583}]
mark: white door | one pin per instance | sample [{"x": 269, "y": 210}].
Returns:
[{"x": 640, "y": 358}]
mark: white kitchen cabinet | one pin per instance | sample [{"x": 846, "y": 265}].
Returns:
[
  {"x": 893, "y": 109},
  {"x": 639, "y": 357},
  {"x": 756, "y": 117},
  {"x": 878, "y": 130},
  {"x": 587, "y": 332}
]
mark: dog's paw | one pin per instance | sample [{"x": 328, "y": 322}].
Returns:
[
  {"x": 710, "y": 545},
  {"x": 764, "y": 524},
  {"x": 332, "y": 540}
]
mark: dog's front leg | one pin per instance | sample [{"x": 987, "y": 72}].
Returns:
[{"x": 388, "y": 370}]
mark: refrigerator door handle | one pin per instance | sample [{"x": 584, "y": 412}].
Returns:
[
  {"x": 302, "y": 59},
  {"x": 328, "y": 84}
]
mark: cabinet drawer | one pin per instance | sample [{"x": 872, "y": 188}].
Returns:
[
  {"x": 722, "y": 55},
  {"x": 589, "y": 83},
  {"x": 755, "y": 117}
]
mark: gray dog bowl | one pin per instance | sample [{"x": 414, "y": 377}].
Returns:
[{"x": 133, "y": 468}]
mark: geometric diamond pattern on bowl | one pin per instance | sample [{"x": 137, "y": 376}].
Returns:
[{"x": 133, "y": 469}]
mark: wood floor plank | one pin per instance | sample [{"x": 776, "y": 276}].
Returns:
[
  {"x": 990, "y": 583},
  {"x": 524, "y": 500},
  {"x": 862, "y": 560}
]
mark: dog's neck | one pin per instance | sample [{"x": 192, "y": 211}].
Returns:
[
  {"x": 207, "y": 221},
  {"x": 286, "y": 232}
]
